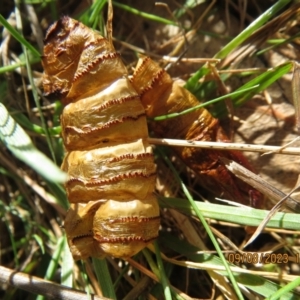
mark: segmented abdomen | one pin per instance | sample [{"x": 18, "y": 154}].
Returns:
[
  {"x": 160, "y": 95},
  {"x": 109, "y": 162}
]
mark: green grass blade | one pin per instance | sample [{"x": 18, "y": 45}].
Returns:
[
  {"x": 54, "y": 263},
  {"x": 15, "y": 66},
  {"x": 206, "y": 226},
  {"x": 242, "y": 94},
  {"x": 33, "y": 86},
  {"x": 256, "y": 24},
  {"x": 262, "y": 82},
  {"x": 18, "y": 36},
  {"x": 216, "y": 100},
  {"x": 144, "y": 14},
  {"x": 253, "y": 87},
  {"x": 27, "y": 124},
  {"x": 265, "y": 287},
  {"x": 20, "y": 144},
  {"x": 104, "y": 278},
  {"x": 52, "y": 268},
  {"x": 67, "y": 265},
  {"x": 283, "y": 293},
  {"x": 92, "y": 17},
  {"x": 193, "y": 83},
  {"x": 59, "y": 193},
  {"x": 188, "y": 5},
  {"x": 39, "y": 241},
  {"x": 163, "y": 277},
  {"x": 237, "y": 215}
]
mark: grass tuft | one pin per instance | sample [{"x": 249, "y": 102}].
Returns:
[{"x": 199, "y": 253}]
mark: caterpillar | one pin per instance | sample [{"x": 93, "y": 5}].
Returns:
[
  {"x": 113, "y": 210},
  {"x": 160, "y": 95}
]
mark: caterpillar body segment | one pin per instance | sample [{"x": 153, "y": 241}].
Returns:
[
  {"x": 113, "y": 210},
  {"x": 160, "y": 95}
]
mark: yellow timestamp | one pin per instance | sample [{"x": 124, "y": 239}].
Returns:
[{"x": 261, "y": 258}]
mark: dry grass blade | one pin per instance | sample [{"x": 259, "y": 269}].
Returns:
[
  {"x": 226, "y": 146},
  {"x": 267, "y": 190},
  {"x": 263, "y": 186},
  {"x": 296, "y": 92}
]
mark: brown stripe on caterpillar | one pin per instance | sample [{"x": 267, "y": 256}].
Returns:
[
  {"x": 119, "y": 177},
  {"x": 109, "y": 162},
  {"x": 87, "y": 130},
  {"x": 118, "y": 101},
  {"x": 90, "y": 66},
  {"x": 132, "y": 156},
  {"x": 115, "y": 240},
  {"x": 123, "y": 239},
  {"x": 132, "y": 219}
]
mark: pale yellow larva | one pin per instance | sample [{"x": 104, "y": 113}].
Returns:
[{"x": 110, "y": 165}]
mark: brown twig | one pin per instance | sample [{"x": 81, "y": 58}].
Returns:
[{"x": 36, "y": 285}]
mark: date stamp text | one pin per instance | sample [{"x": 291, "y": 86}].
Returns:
[{"x": 261, "y": 258}]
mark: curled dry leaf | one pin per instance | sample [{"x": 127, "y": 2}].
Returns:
[
  {"x": 109, "y": 162},
  {"x": 160, "y": 95}
]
